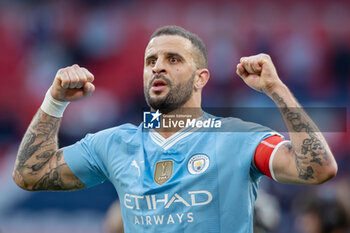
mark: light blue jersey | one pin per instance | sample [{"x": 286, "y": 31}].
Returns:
[{"x": 189, "y": 182}]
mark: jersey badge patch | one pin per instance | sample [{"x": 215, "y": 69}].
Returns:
[
  {"x": 163, "y": 171},
  {"x": 198, "y": 163}
]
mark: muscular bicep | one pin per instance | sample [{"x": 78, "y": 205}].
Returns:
[
  {"x": 288, "y": 167},
  {"x": 56, "y": 175}
]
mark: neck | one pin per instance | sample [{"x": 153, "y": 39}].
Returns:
[{"x": 190, "y": 110}]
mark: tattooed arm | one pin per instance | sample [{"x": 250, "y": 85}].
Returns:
[
  {"x": 40, "y": 165},
  {"x": 306, "y": 159}
]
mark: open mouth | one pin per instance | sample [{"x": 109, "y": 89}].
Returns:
[{"x": 158, "y": 85}]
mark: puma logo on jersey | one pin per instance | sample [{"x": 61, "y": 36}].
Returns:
[{"x": 134, "y": 163}]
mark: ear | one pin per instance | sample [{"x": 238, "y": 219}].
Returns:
[{"x": 201, "y": 78}]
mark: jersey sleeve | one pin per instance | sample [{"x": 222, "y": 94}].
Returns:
[
  {"x": 84, "y": 162},
  {"x": 264, "y": 154}
]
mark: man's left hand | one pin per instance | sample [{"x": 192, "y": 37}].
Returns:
[{"x": 259, "y": 73}]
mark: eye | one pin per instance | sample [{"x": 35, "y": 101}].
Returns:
[
  {"x": 173, "y": 60},
  {"x": 152, "y": 61}
]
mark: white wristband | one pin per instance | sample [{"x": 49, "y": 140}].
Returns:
[{"x": 52, "y": 106}]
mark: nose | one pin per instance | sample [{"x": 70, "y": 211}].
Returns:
[{"x": 159, "y": 67}]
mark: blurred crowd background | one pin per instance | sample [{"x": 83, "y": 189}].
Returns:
[{"x": 309, "y": 42}]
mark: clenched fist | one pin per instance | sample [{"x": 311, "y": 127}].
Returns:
[
  {"x": 258, "y": 72},
  {"x": 72, "y": 83}
]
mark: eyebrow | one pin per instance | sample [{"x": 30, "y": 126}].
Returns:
[
  {"x": 175, "y": 54},
  {"x": 167, "y": 54},
  {"x": 150, "y": 56}
]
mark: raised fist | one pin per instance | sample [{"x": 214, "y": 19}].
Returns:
[
  {"x": 258, "y": 72},
  {"x": 72, "y": 83}
]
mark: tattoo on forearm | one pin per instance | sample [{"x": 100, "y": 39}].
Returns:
[
  {"x": 312, "y": 149},
  {"x": 37, "y": 150},
  {"x": 304, "y": 169}
]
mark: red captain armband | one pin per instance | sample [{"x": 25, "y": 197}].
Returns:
[{"x": 264, "y": 154}]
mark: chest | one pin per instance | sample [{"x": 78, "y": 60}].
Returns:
[
  {"x": 195, "y": 163},
  {"x": 181, "y": 185}
]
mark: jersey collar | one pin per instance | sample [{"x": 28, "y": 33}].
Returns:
[{"x": 167, "y": 143}]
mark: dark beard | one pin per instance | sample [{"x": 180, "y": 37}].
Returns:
[{"x": 178, "y": 95}]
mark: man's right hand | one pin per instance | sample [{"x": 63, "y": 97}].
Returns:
[
  {"x": 72, "y": 83},
  {"x": 39, "y": 164}
]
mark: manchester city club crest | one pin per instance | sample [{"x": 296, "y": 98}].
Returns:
[
  {"x": 198, "y": 164},
  {"x": 163, "y": 171}
]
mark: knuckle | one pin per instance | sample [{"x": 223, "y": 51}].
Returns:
[
  {"x": 65, "y": 76},
  {"x": 87, "y": 71},
  {"x": 73, "y": 75},
  {"x": 82, "y": 81},
  {"x": 74, "y": 80},
  {"x": 81, "y": 74},
  {"x": 60, "y": 73},
  {"x": 265, "y": 56}
]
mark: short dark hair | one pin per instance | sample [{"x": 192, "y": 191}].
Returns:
[{"x": 202, "y": 56}]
